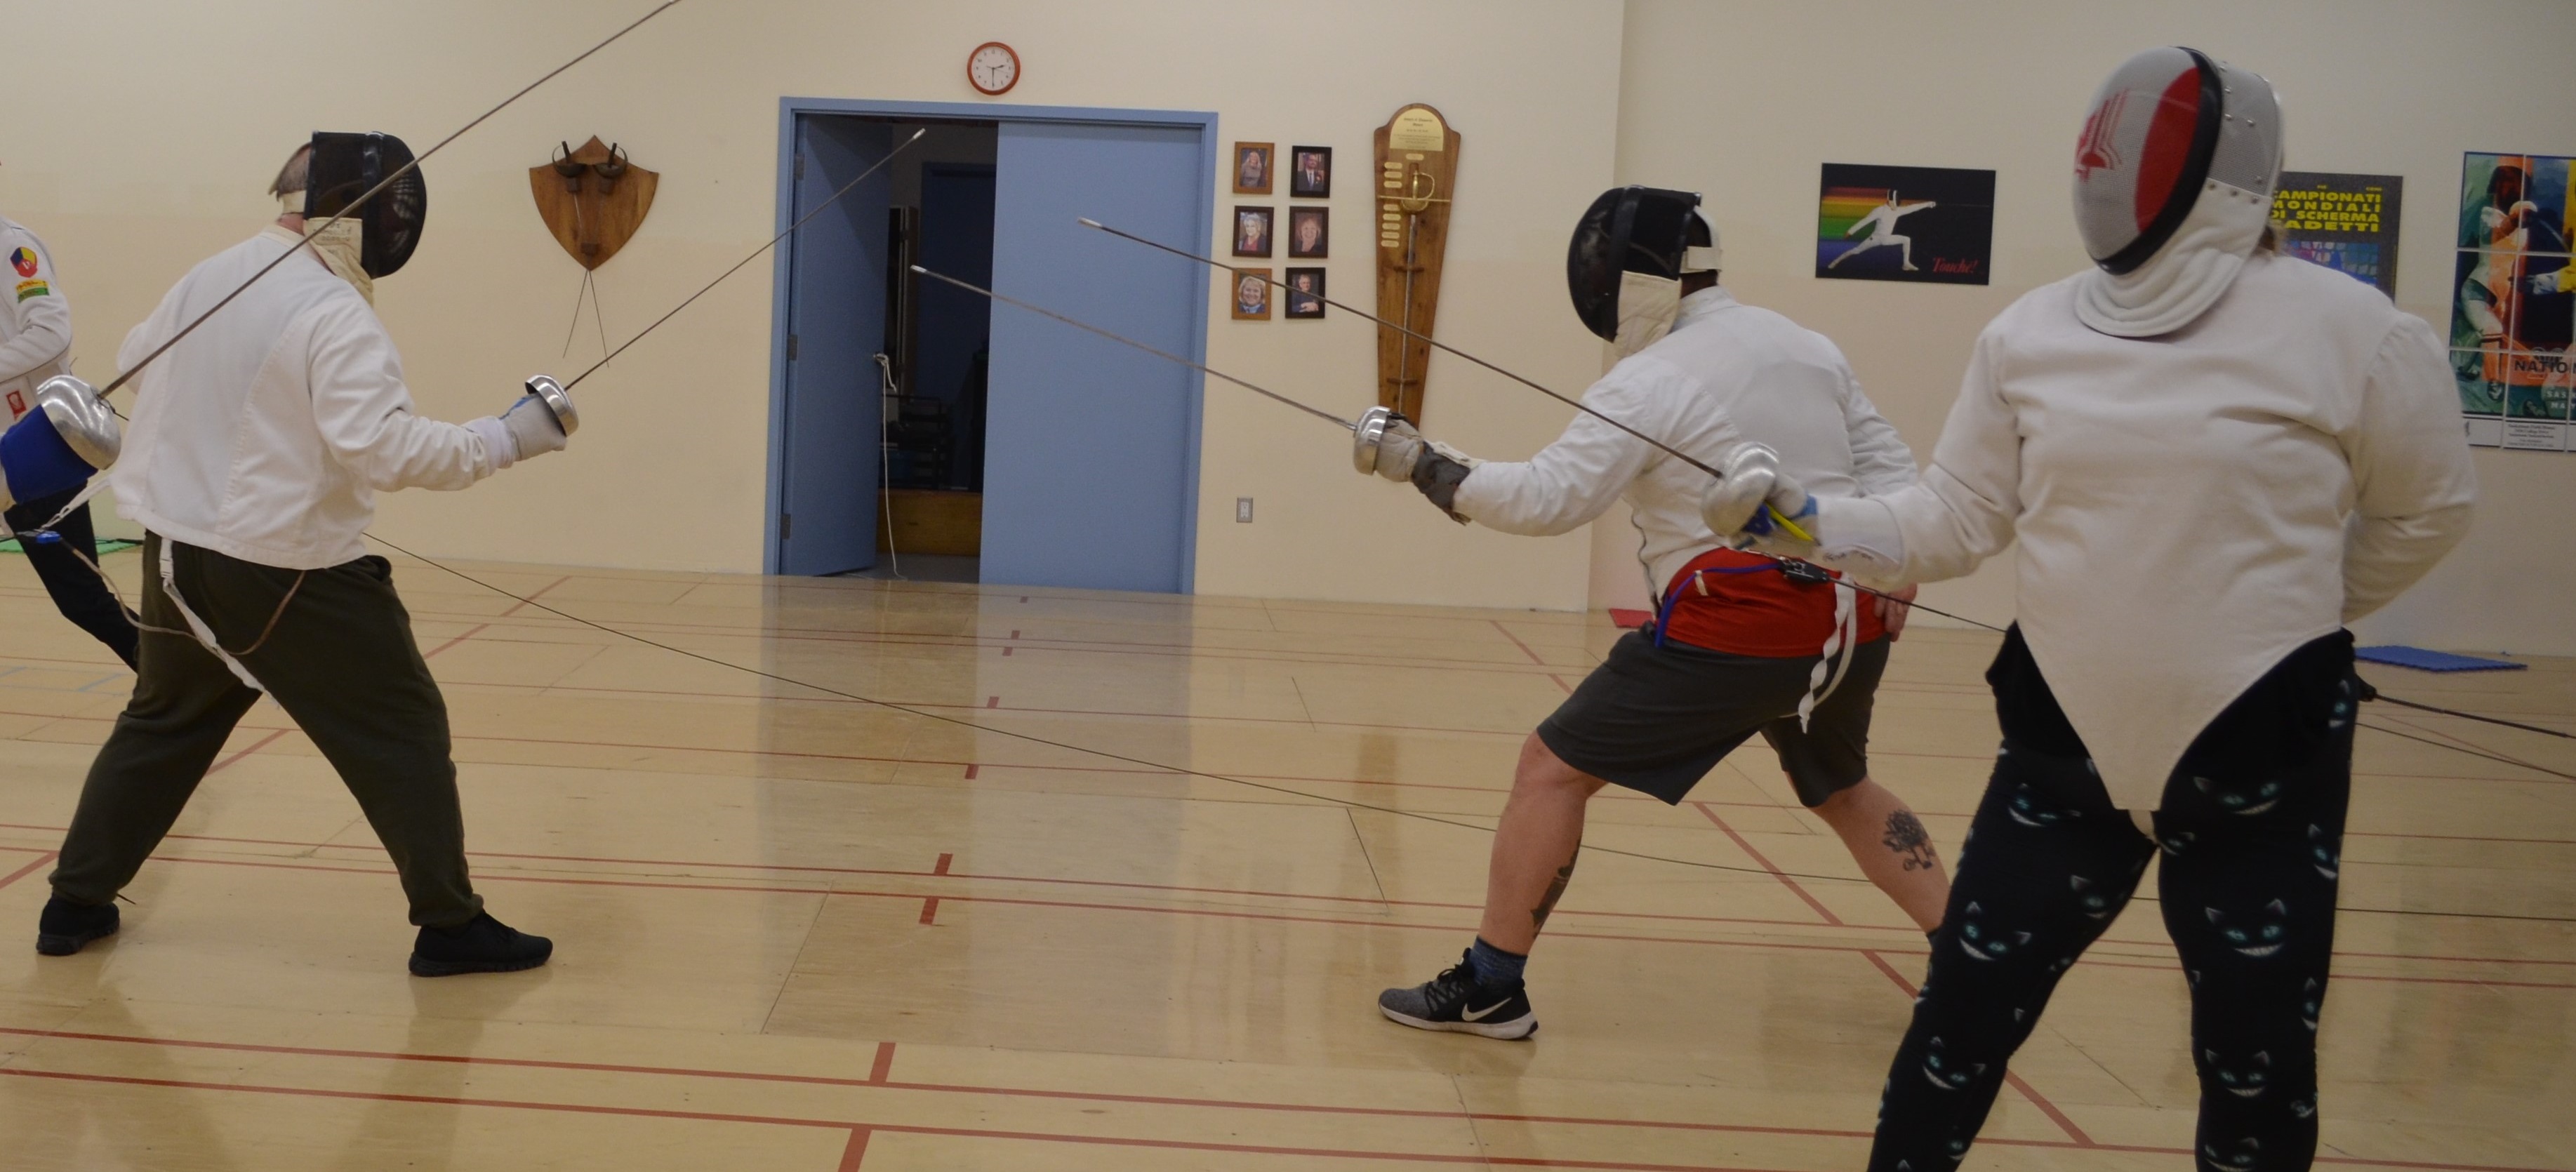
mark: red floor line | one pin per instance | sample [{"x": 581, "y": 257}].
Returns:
[
  {"x": 930, "y": 910},
  {"x": 1516, "y": 642},
  {"x": 1087, "y": 1140},
  {"x": 2050, "y": 1109},
  {"x": 1164, "y": 770},
  {"x": 972, "y": 769},
  {"x": 532, "y": 596},
  {"x": 1776, "y": 873},
  {"x": 30, "y": 869},
  {"x": 256, "y": 746},
  {"x": 856, "y": 1151},
  {"x": 971, "y": 876},
  {"x": 433, "y": 652},
  {"x": 944, "y": 869},
  {"x": 1207, "y": 913},
  {"x": 879, "y": 1075},
  {"x": 897, "y": 1128}
]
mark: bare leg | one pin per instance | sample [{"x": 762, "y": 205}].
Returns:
[
  {"x": 1535, "y": 845},
  {"x": 1889, "y": 843}
]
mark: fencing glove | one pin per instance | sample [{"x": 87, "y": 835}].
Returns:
[{"x": 528, "y": 429}]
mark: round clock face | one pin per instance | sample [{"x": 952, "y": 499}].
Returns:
[{"x": 993, "y": 67}]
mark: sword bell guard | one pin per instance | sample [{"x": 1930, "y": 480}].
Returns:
[
  {"x": 1365, "y": 437},
  {"x": 552, "y": 394}
]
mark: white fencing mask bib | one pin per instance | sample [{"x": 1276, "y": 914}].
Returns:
[{"x": 2174, "y": 176}]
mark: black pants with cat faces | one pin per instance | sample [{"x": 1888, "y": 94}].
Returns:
[{"x": 2249, "y": 866}]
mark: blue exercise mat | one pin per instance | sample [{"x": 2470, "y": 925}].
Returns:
[{"x": 2422, "y": 660}]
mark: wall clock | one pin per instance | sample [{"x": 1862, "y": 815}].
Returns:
[{"x": 993, "y": 69}]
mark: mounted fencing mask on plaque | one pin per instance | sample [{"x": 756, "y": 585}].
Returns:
[
  {"x": 2173, "y": 185},
  {"x": 1625, "y": 264}
]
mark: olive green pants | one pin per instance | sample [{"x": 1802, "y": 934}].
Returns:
[{"x": 340, "y": 661}]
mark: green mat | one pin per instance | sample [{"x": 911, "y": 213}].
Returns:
[{"x": 106, "y": 545}]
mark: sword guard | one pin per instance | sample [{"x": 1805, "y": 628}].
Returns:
[{"x": 557, "y": 400}]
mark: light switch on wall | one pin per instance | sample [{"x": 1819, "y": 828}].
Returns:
[{"x": 1243, "y": 510}]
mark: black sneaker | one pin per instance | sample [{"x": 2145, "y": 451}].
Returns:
[
  {"x": 66, "y": 926},
  {"x": 479, "y": 945},
  {"x": 1455, "y": 1001}
]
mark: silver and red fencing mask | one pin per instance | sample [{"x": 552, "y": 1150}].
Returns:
[{"x": 2174, "y": 175}]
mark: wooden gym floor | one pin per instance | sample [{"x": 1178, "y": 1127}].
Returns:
[{"x": 795, "y": 932}]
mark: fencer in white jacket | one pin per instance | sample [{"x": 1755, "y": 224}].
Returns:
[
  {"x": 257, "y": 445},
  {"x": 2212, "y": 457},
  {"x": 1738, "y": 648}
]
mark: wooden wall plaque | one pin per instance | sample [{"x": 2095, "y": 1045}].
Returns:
[
  {"x": 1415, "y": 180},
  {"x": 592, "y": 199}
]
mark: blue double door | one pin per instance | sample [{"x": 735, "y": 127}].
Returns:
[{"x": 1090, "y": 476}]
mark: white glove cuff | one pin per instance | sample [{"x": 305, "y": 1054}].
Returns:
[
  {"x": 1858, "y": 535},
  {"x": 497, "y": 442}
]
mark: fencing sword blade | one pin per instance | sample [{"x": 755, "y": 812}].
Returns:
[
  {"x": 1165, "y": 355},
  {"x": 755, "y": 255},
  {"x": 370, "y": 193},
  {"x": 1791, "y": 526},
  {"x": 1409, "y": 331}
]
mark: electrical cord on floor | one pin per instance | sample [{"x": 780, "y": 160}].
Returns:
[
  {"x": 1158, "y": 766},
  {"x": 2370, "y": 693}
]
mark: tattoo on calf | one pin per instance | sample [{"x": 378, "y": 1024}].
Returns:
[
  {"x": 1906, "y": 836},
  {"x": 1555, "y": 889}
]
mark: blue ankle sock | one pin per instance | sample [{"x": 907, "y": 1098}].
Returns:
[{"x": 1493, "y": 966}]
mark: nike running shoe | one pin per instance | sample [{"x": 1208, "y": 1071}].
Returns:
[{"x": 1457, "y": 1002}]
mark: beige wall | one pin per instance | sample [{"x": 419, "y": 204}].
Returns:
[
  {"x": 1743, "y": 101},
  {"x": 160, "y": 124},
  {"x": 154, "y": 138}
]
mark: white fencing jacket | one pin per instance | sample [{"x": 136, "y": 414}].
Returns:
[
  {"x": 2191, "y": 508},
  {"x": 1727, "y": 371},
  {"x": 266, "y": 434},
  {"x": 36, "y": 327}
]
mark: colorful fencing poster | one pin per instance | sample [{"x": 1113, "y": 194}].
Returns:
[
  {"x": 2513, "y": 300},
  {"x": 1930, "y": 224},
  {"x": 2347, "y": 223}
]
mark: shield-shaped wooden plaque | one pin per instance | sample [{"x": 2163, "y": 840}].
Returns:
[{"x": 593, "y": 198}]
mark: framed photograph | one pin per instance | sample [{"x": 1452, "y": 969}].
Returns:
[
  {"x": 1252, "y": 295},
  {"x": 1252, "y": 168},
  {"x": 1309, "y": 233},
  {"x": 1927, "y": 225},
  {"x": 1310, "y": 172},
  {"x": 1252, "y": 231},
  {"x": 1303, "y": 298}
]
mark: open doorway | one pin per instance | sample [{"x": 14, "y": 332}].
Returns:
[
  {"x": 930, "y": 523},
  {"x": 920, "y": 429}
]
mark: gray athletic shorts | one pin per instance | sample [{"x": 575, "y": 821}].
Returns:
[{"x": 1657, "y": 719}]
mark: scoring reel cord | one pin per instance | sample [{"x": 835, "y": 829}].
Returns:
[
  {"x": 1795, "y": 569},
  {"x": 45, "y": 535}
]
